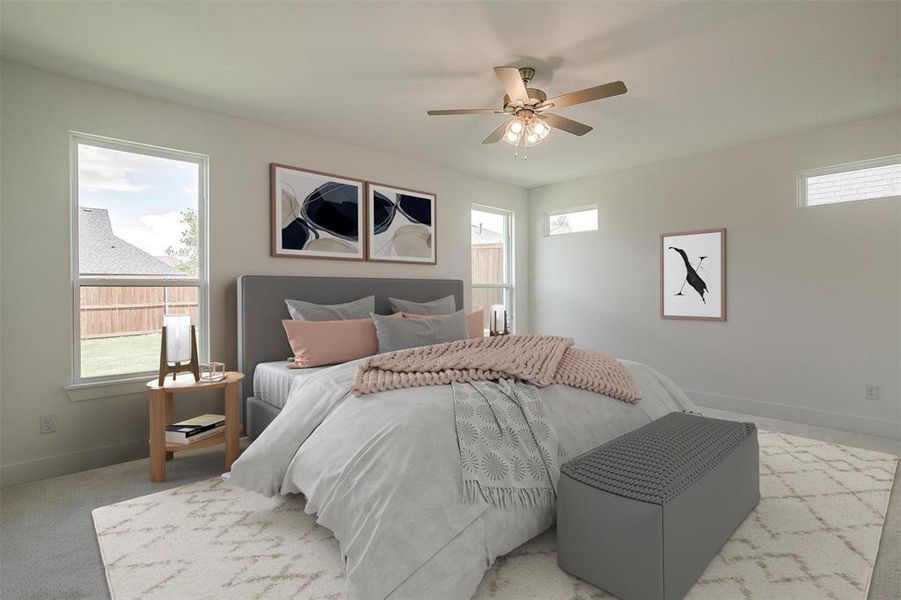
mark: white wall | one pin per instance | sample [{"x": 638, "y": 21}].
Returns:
[
  {"x": 38, "y": 111},
  {"x": 813, "y": 294}
]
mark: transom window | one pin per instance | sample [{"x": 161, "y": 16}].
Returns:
[
  {"x": 865, "y": 180},
  {"x": 571, "y": 220},
  {"x": 139, "y": 240},
  {"x": 492, "y": 263}
]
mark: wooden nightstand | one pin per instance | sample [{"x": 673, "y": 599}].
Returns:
[{"x": 161, "y": 401}]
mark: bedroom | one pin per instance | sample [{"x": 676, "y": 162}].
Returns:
[{"x": 730, "y": 116}]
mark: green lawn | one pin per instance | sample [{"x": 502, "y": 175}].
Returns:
[{"x": 119, "y": 355}]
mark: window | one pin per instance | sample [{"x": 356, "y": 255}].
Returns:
[
  {"x": 492, "y": 263},
  {"x": 864, "y": 180},
  {"x": 139, "y": 252},
  {"x": 573, "y": 220}
]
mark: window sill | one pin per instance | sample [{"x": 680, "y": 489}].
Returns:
[{"x": 90, "y": 390}]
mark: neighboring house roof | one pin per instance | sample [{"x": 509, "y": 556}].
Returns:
[
  {"x": 100, "y": 252},
  {"x": 483, "y": 237}
]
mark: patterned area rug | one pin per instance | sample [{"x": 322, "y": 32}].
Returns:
[{"x": 814, "y": 535}]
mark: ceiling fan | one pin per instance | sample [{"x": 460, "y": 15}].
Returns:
[{"x": 530, "y": 108}]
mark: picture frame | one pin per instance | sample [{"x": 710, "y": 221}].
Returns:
[
  {"x": 401, "y": 224},
  {"x": 315, "y": 214},
  {"x": 693, "y": 275}
]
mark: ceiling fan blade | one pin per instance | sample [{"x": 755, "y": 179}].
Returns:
[
  {"x": 511, "y": 79},
  {"x": 497, "y": 134},
  {"x": 614, "y": 88},
  {"x": 466, "y": 111},
  {"x": 567, "y": 125}
]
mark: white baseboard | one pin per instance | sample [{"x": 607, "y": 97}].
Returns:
[
  {"x": 809, "y": 416},
  {"x": 64, "y": 464}
]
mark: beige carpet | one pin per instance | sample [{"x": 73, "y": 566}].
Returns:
[{"x": 814, "y": 535}]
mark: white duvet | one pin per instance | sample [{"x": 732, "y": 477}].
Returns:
[{"x": 382, "y": 472}]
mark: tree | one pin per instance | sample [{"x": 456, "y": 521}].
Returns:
[
  {"x": 560, "y": 224},
  {"x": 186, "y": 253}
]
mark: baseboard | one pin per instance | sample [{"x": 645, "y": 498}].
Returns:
[
  {"x": 808, "y": 416},
  {"x": 64, "y": 464}
]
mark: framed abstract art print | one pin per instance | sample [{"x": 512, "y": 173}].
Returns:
[
  {"x": 401, "y": 224},
  {"x": 693, "y": 275},
  {"x": 315, "y": 215}
]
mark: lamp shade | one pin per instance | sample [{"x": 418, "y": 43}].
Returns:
[{"x": 178, "y": 338}]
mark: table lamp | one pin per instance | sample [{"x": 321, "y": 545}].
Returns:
[{"x": 178, "y": 349}]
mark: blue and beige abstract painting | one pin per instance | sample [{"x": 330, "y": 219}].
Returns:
[
  {"x": 401, "y": 225},
  {"x": 315, "y": 215}
]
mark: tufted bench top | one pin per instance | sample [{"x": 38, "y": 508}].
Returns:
[{"x": 657, "y": 462}]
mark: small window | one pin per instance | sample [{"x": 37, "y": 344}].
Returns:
[
  {"x": 865, "y": 180},
  {"x": 491, "y": 238},
  {"x": 573, "y": 220},
  {"x": 139, "y": 239}
]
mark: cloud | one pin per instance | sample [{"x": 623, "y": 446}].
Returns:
[
  {"x": 191, "y": 190},
  {"x": 151, "y": 233},
  {"x": 104, "y": 169}
]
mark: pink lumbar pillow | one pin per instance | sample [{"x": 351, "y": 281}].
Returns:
[
  {"x": 475, "y": 321},
  {"x": 318, "y": 343}
]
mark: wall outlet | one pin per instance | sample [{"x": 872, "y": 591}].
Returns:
[
  {"x": 47, "y": 424},
  {"x": 872, "y": 392}
]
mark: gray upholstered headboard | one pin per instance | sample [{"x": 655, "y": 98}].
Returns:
[{"x": 261, "y": 307}]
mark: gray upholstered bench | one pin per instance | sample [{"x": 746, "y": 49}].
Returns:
[{"x": 642, "y": 515}]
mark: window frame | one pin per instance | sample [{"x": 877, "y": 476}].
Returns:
[
  {"x": 201, "y": 282},
  {"x": 508, "y": 286},
  {"x": 569, "y": 210},
  {"x": 870, "y": 163}
]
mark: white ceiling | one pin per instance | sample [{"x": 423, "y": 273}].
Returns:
[{"x": 700, "y": 75}]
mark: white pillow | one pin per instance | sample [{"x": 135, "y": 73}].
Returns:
[
  {"x": 441, "y": 306},
  {"x": 309, "y": 311}
]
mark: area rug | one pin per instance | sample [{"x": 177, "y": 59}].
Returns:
[{"x": 815, "y": 534}]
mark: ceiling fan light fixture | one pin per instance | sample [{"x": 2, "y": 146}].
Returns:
[
  {"x": 541, "y": 129},
  {"x": 531, "y": 122}
]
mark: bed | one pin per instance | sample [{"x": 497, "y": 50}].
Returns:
[
  {"x": 262, "y": 340},
  {"x": 382, "y": 471}
]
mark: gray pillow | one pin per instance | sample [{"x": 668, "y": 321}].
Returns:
[
  {"x": 441, "y": 306},
  {"x": 396, "y": 334},
  {"x": 308, "y": 311}
]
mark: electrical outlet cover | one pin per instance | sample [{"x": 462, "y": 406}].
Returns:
[
  {"x": 872, "y": 392},
  {"x": 47, "y": 424}
]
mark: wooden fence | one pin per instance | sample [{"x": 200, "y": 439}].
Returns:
[
  {"x": 488, "y": 263},
  {"x": 115, "y": 311}
]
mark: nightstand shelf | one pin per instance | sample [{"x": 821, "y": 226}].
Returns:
[
  {"x": 213, "y": 440},
  {"x": 161, "y": 401}
]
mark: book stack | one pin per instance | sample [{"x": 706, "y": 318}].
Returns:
[{"x": 195, "y": 429}]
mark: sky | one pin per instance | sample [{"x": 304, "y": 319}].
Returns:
[
  {"x": 143, "y": 194},
  {"x": 488, "y": 220}
]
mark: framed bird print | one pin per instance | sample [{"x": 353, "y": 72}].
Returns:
[
  {"x": 693, "y": 275},
  {"x": 315, "y": 215},
  {"x": 401, "y": 224}
]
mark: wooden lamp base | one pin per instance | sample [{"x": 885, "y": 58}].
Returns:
[{"x": 192, "y": 366}]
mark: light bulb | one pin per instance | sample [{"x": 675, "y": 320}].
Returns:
[
  {"x": 510, "y": 137},
  {"x": 532, "y": 138},
  {"x": 541, "y": 129},
  {"x": 516, "y": 126}
]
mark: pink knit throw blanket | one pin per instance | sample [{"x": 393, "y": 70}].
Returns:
[{"x": 537, "y": 359}]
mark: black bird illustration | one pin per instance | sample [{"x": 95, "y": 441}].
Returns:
[{"x": 691, "y": 275}]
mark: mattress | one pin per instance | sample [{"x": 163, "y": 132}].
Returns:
[{"x": 272, "y": 381}]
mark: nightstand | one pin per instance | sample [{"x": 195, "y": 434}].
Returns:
[{"x": 161, "y": 399}]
